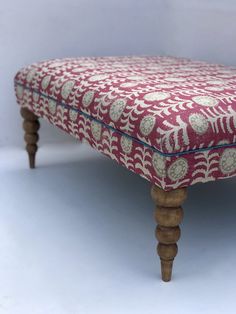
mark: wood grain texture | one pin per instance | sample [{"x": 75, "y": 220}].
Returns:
[
  {"x": 31, "y": 126},
  {"x": 168, "y": 215}
]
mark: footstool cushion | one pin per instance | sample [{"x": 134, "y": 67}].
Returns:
[{"x": 170, "y": 120}]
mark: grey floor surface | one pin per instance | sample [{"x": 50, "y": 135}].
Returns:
[{"x": 77, "y": 237}]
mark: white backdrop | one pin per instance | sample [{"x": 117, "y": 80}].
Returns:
[{"x": 34, "y": 30}]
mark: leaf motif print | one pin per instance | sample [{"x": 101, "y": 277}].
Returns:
[
  {"x": 170, "y": 120},
  {"x": 170, "y": 138}
]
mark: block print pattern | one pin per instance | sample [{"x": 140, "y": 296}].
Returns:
[{"x": 170, "y": 120}]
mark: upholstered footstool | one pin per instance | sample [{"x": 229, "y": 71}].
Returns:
[{"x": 170, "y": 120}]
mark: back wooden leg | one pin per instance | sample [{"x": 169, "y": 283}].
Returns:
[
  {"x": 31, "y": 126},
  {"x": 168, "y": 215}
]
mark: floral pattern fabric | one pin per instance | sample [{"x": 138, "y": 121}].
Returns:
[{"x": 171, "y": 120}]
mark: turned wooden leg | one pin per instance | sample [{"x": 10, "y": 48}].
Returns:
[
  {"x": 168, "y": 215},
  {"x": 31, "y": 126}
]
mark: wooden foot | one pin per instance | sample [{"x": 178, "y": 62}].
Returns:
[
  {"x": 168, "y": 215},
  {"x": 31, "y": 126}
]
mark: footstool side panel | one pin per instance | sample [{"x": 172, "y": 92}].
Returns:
[{"x": 167, "y": 172}]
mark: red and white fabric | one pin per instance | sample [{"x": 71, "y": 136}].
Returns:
[{"x": 170, "y": 120}]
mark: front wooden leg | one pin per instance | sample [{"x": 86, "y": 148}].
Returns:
[
  {"x": 168, "y": 215},
  {"x": 31, "y": 126}
]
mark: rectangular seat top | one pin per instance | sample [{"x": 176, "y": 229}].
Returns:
[{"x": 173, "y": 106}]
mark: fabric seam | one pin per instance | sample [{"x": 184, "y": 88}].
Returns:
[{"x": 191, "y": 151}]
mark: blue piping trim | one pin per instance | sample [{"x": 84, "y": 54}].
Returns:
[{"x": 191, "y": 151}]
